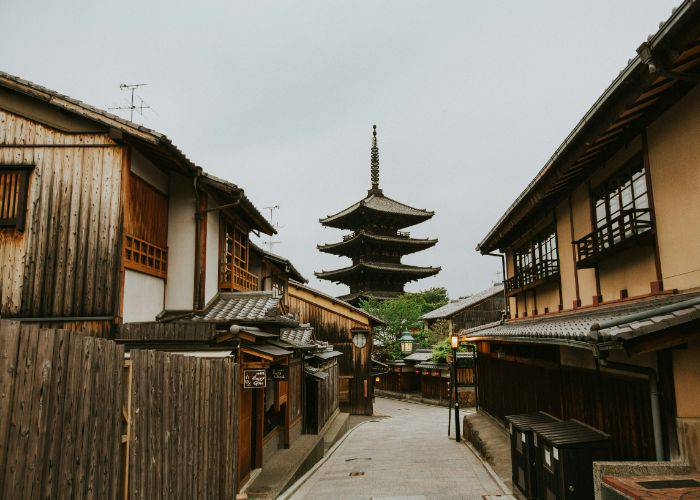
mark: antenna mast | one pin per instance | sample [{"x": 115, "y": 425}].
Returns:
[
  {"x": 271, "y": 242},
  {"x": 140, "y": 107}
]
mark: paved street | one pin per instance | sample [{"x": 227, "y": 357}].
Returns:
[{"x": 406, "y": 455}]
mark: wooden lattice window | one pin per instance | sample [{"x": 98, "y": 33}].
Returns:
[
  {"x": 145, "y": 257},
  {"x": 233, "y": 273},
  {"x": 14, "y": 187}
]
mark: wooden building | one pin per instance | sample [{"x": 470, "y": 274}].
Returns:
[
  {"x": 350, "y": 330},
  {"x": 377, "y": 243},
  {"x": 103, "y": 221},
  {"x": 602, "y": 257},
  {"x": 419, "y": 375},
  {"x": 483, "y": 307}
]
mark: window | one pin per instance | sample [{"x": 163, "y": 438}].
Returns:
[
  {"x": 234, "y": 273},
  {"x": 538, "y": 257},
  {"x": 139, "y": 255},
  {"x": 14, "y": 187},
  {"x": 620, "y": 201}
]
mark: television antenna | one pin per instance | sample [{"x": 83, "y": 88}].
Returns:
[
  {"x": 270, "y": 241},
  {"x": 131, "y": 87}
]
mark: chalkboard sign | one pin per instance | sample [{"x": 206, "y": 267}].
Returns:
[
  {"x": 254, "y": 379},
  {"x": 280, "y": 372}
]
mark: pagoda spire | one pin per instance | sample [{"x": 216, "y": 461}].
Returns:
[{"x": 374, "y": 162}]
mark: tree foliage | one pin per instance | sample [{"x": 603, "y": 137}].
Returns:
[{"x": 403, "y": 313}]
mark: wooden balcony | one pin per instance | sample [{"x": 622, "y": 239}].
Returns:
[
  {"x": 234, "y": 278},
  {"x": 533, "y": 276},
  {"x": 626, "y": 230}
]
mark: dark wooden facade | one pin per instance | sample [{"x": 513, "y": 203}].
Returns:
[
  {"x": 335, "y": 321},
  {"x": 532, "y": 379},
  {"x": 322, "y": 397}
]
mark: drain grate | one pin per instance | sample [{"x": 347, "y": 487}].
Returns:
[
  {"x": 357, "y": 458},
  {"x": 357, "y": 473}
]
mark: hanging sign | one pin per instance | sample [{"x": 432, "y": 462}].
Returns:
[
  {"x": 279, "y": 373},
  {"x": 254, "y": 379}
]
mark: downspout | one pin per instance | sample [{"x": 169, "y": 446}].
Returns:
[
  {"x": 602, "y": 362},
  {"x": 503, "y": 270}
]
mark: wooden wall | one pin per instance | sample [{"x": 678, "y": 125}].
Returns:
[
  {"x": 153, "y": 330},
  {"x": 333, "y": 322},
  {"x": 184, "y": 426},
  {"x": 616, "y": 404},
  {"x": 324, "y": 397},
  {"x": 146, "y": 212},
  {"x": 487, "y": 311},
  {"x": 65, "y": 263},
  {"x": 61, "y": 424}
]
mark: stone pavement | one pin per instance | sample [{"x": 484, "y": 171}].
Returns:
[{"x": 405, "y": 454}]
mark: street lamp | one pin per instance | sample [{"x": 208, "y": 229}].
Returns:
[
  {"x": 406, "y": 341},
  {"x": 454, "y": 343}
]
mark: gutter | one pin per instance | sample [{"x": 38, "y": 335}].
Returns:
[{"x": 653, "y": 394}]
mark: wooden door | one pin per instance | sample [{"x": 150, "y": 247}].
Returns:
[{"x": 245, "y": 436}]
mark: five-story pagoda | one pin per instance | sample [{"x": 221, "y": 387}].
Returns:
[{"x": 376, "y": 243}]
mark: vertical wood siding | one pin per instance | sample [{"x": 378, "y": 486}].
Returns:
[
  {"x": 60, "y": 414},
  {"x": 336, "y": 329},
  {"x": 184, "y": 426},
  {"x": 616, "y": 404},
  {"x": 65, "y": 262}
]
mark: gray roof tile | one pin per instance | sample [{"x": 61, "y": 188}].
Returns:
[
  {"x": 457, "y": 305},
  {"x": 243, "y": 307},
  {"x": 624, "y": 321}
]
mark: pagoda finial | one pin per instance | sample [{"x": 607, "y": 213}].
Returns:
[{"x": 375, "y": 160}]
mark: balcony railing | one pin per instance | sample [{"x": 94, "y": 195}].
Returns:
[
  {"x": 532, "y": 276},
  {"x": 616, "y": 234},
  {"x": 237, "y": 279}
]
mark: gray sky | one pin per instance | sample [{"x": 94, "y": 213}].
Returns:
[{"x": 471, "y": 98}]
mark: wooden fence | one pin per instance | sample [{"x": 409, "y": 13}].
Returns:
[
  {"x": 183, "y": 426},
  {"x": 77, "y": 421},
  {"x": 60, "y": 414}
]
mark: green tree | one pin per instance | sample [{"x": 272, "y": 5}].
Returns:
[{"x": 401, "y": 313}]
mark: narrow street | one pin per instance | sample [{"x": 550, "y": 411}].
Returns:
[{"x": 403, "y": 454}]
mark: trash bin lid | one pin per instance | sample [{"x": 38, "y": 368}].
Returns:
[
  {"x": 524, "y": 421},
  {"x": 569, "y": 433}
]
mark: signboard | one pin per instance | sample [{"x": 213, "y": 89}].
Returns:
[
  {"x": 254, "y": 379},
  {"x": 279, "y": 373}
]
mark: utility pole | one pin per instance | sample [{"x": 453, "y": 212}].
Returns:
[
  {"x": 131, "y": 107},
  {"x": 271, "y": 242}
]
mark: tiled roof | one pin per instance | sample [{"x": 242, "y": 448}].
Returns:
[
  {"x": 457, "y": 305},
  {"x": 302, "y": 336},
  {"x": 360, "y": 237},
  {"x": 370, "y": 294},
  {"x": 380, "y": 203},
  {"x": 616, "y": 322},
  {"x": 337, "y": 300},
  {"x": 420, "y": 355},
  {"x": 429, "y": 365},
  {"x": 248, "y": 307},
  {"x": 293, "y": 273},
  {"x": 391, "y": 267}
]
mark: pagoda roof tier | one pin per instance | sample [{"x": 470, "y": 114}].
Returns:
[
  {"x": 400, "y": 272},
  {"x": 352, "y": 243},
  {"x": 378, "y": 209},
  {"x": 370, "y": 294}
]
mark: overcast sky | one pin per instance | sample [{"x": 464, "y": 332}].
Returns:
[{"x": 471, "y": 98}]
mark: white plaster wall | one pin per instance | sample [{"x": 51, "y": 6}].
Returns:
[
  {"x": 144, "y": 168},
  {"x": 211, "y": 277},
  {"x": 143, "y": 296},
  {"x": 179, "y": 291}
]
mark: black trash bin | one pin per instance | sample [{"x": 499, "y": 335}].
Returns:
[
  {"x": 522, "y": 452},
  {"x": 565, "y": 453}
]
